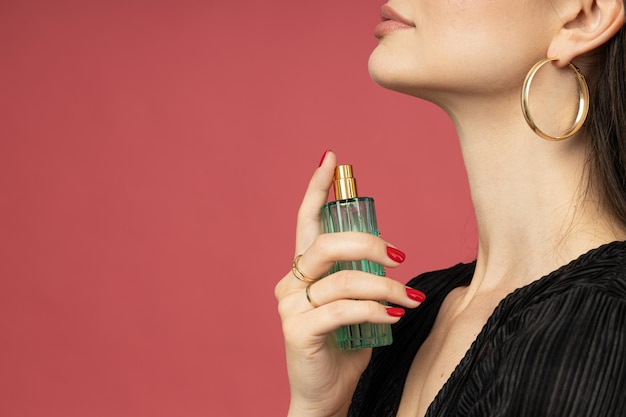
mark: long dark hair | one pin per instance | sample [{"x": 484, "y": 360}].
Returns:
[{"x": 606, "y": 128}]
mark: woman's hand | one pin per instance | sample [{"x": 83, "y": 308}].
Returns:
[{"x": 321, "y": 376}]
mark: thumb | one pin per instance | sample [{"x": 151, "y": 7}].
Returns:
[{"x": 316, "y": 195}]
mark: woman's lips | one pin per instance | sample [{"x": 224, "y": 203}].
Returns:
[{"x": 391, "y": 22}]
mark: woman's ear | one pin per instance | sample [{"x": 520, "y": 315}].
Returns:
[{"x": 587, "y": 24}]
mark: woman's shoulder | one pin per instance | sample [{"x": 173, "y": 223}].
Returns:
[
  {"x": 558, "y": 337},
  {"x": 601, "y": 272}
]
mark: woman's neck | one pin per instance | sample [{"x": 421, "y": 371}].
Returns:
[{"x": 533, "y": 208}]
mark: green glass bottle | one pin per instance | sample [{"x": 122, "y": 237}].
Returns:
[{"x": 351, "y": 213}]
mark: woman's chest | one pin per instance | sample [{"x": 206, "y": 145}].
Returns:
[{"x": 449, "y": 340}]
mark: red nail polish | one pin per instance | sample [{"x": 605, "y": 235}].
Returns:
[
  {"x": 323, "y": 157},
  {"x": 395, "y": 254},
  {"x": 415, "y": 295},
  {"x": 395, "y": 311}
]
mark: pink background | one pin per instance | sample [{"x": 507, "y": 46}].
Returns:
[{"x": 152, "y": 158}]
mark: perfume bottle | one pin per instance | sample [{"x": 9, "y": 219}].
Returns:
[{"x": 351, "y": 213}]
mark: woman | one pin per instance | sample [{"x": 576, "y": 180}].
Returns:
[{"x": 536, "y": 326}]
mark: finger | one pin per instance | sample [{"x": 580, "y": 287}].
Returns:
[
  {"x": 329, "y": 248},
  {"x": 361, "y": 286},
  {"x": 319, "y": 322},
  {"x": 355, "y": 285},
  {"x": 315, "y": 197}
]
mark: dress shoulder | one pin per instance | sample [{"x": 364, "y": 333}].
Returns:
[
  {"x": 554, "y": 347},
  {"x": 563, "y": 356}
]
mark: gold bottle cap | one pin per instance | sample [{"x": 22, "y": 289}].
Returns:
[{"x": 345, "y": 183}]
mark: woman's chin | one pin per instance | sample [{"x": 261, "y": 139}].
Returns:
[
  {"x": 388, "y": 73},
  {"x": 384, "y": 77},
  {"x": 391, "y": 80},
  {"x": 376, "y": 68}
]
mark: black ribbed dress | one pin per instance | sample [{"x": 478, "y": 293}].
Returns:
[{"x": 556, "y": 347}]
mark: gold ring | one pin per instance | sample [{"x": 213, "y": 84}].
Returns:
[
  {"x": 299, "y": 274},
  {"x": 308, "y": 296}
]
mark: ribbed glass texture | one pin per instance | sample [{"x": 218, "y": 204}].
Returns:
[{"x": 356, "y": 215}]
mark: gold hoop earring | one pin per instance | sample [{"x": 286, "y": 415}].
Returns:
[{"x": 583, "y": 101}]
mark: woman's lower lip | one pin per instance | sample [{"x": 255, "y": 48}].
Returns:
[{"x": 388, "y": 26}]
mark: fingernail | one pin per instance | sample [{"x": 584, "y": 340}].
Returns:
[
  {"x": 395, "y": 311},
  {"x": 415, "y": 295},
  {"x": 323, "y": 157},
  {"x": 395, "y": 254}
]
